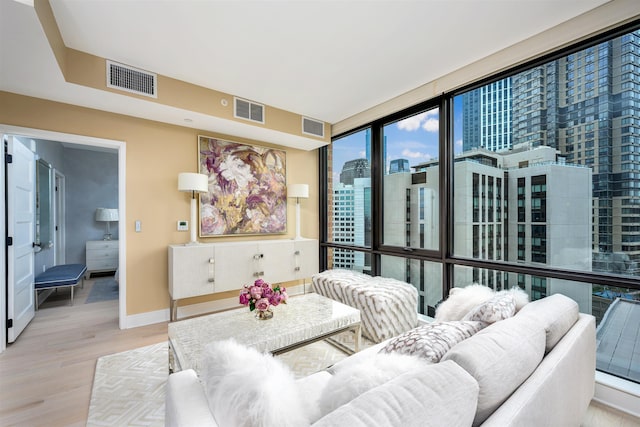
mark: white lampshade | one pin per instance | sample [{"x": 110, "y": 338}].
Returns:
[
  {"x": 188, "y": 181},
  {"x": 104, "y": 214},
  {"x": 298, "y": 190}
]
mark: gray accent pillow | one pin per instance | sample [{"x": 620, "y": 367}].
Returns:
[
  {"x": 499, "y": 307},
  {"x": 433, "y": 340}
]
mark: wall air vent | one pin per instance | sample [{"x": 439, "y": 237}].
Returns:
[
  {"x": 312, "y": 127},
  {"x": 248, "y": 110},
  {"x": 133, "y": 80}
]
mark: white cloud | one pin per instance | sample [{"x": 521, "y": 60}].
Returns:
[
  {"x": 427, "y": 121},
  {"x": 363, "y": 154},
  {"x": 431, "y": 125},
  {"x": 412, "y": 123}
]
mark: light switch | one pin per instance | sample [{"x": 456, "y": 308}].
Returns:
[{"x": 138, "y": 226}]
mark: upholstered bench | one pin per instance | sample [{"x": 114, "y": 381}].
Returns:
[
  {"x": 388, "y": 307},
  {"x": 60, "y": 276}
]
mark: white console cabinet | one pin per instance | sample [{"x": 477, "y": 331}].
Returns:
[
  {"x": 101, "y": 255},
  {"x": 207, "y": 268}
]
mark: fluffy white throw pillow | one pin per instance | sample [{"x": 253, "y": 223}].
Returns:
[
  {"x": 461, "y": 301},
  {"x": 353, "y": 380},
  {"x": 246, "y": 388}
]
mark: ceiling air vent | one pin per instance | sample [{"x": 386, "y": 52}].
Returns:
[
  {"x": 129, "y": 79},
  {"x": 312, "y": 127},
  {"x": 248, "y": 110}
]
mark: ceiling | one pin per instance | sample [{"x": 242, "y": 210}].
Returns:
[{"x": 327, "y": 60}]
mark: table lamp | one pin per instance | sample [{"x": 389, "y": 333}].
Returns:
[
  {"x": 299, "y": 191},
  {"x": 194, "y": 183},
  {"x": 107, "y": 215}
]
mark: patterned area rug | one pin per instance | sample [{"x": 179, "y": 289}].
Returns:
[
  {"x": 103, "y": 290},
  {"x": 128, "y": 388}
]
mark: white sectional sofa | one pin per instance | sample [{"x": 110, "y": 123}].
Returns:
[{"x": 535, "y": 369}]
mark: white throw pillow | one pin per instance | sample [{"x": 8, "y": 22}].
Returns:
[
  {"x": 353, "y": 380},
  {"x": 246, "y": 388},
  {"x": 433, "y": 340},
  {"x": 500, "y": 307},
  {"x": 461, "y": 301}
]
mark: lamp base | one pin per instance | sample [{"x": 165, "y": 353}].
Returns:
[{"x": 107, "y": 237}]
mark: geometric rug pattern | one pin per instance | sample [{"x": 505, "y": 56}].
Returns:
[{"x": 128, "y": 388}]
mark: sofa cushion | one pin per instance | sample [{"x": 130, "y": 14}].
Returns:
[
  {"x": 246, "y": 388},
  {"x": 186, "y": 403},
  {"x": 500, "y": 358},
  {"x": 556, "y": 314},
  {"x": 437, "y": 395},
  {"x": 311, "y": 388},
  {"x": 350, "y": 382},
  {"x": 499, "y": 307},
  {"x": 433, "y": 340}
]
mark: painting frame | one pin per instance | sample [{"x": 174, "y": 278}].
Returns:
[{"x": 247, "y": 191}]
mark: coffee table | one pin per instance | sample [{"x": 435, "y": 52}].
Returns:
[{"x": 304, "y": 319}]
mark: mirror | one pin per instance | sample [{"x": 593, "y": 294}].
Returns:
[{"x": 44, "y": 205}]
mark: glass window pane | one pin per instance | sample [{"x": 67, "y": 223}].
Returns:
[
  {"x": 349, "y": 190},
  {"x": 426, "y": 276},
  {"x": 561, "y": 142},
  {"x": 410, "y": 182},
  {"x": 348, "y": 259}
]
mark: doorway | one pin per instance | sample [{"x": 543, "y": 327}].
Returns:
[{"x": 77, "y": 141}]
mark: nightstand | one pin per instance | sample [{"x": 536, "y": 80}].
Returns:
[{"x": 102, "y": 255}]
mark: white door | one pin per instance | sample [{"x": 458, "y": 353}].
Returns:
[{"x": 21, "y": 186}]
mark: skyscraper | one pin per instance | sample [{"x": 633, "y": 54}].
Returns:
[
  {"x": 487, "y": 117},
  {"x": 587, "y": 105}
]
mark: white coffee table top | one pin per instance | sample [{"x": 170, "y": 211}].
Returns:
[{"x": 303, "y": 319}]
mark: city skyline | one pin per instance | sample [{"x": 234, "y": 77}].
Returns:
[{"x": 414, "y": 138}]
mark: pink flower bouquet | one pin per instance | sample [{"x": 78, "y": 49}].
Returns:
[{"x": 261, "y": 296}]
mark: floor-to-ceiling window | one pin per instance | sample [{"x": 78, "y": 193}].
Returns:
[{"x": 530, "y": 179}]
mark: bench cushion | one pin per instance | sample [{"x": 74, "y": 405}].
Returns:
[
  {"x": 60, "y": 275},
  {"x": 388, "y": 307}
]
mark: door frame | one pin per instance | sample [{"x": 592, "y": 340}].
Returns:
[
  {"x": 120, "y": 146},
  {"x": 59, "y": 215}
]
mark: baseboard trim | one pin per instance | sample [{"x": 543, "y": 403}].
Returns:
[{"x": 617, "y": 393}]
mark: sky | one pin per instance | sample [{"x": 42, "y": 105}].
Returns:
[{"x": 414, "y": 138}]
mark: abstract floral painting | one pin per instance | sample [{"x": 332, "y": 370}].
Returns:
[{"x": 247, "y": 189}]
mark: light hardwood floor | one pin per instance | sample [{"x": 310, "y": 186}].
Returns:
[{"x": 47, "y": 375}]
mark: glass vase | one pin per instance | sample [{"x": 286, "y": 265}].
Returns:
[{"x": 264, "y": 315}]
